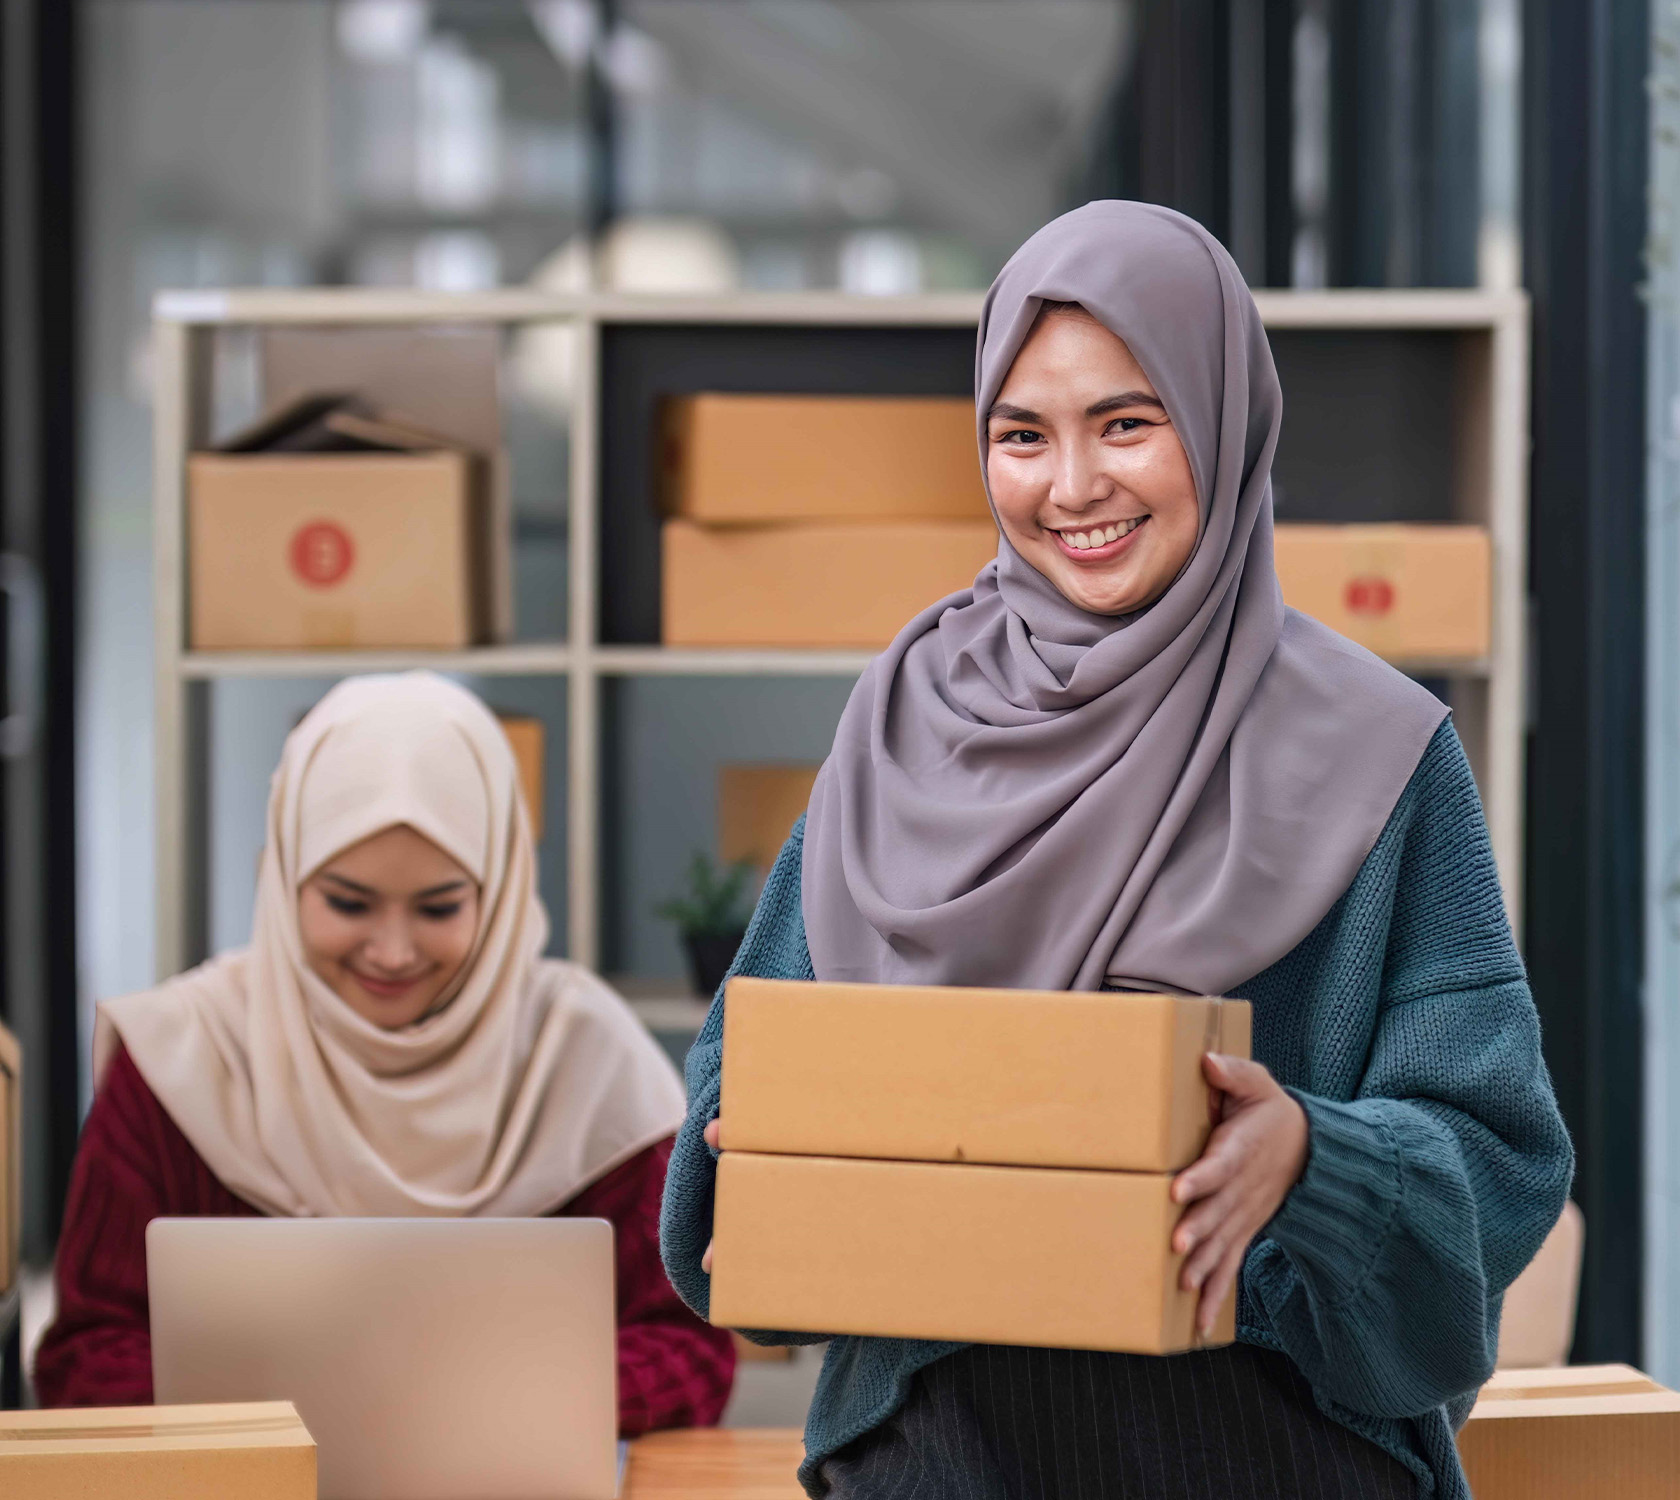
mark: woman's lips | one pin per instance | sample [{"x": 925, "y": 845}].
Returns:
[
  {"x": 388, "y": 989},
  {"x": 1104, "y": 553}
]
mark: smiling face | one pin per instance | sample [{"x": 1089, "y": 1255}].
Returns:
[
  {"x": 1090, "y": 481},
  {"x": 388, "y": 924}
]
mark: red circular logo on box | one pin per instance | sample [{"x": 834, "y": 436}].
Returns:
[
  {"x": 1369, "y": 596},
  {"x": 322, "y": 553}
]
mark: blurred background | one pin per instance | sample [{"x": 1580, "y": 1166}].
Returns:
[{"x": 877, "y": 148}]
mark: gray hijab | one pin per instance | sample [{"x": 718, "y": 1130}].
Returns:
[{"x": 1024, "y": 794}]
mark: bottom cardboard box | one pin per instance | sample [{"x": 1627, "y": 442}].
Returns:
[
  {"x": 839, "y": 585},
  {"x": 256, "y": 1451},
  {"x": 1572, "y": 1433},
  {"x": 985, "y": 1255}
]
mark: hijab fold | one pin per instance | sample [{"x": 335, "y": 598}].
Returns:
[
  {"x": 528, "y": 1081},
  {"x": 1023, "y": 793}
]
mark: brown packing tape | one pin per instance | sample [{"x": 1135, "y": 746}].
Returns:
[
  {"x": 243, "y": 1426},
  {"x": 1637, "y": 1387}
]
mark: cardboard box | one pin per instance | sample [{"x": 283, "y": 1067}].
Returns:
[
  {"x": 301, "y": 550},
  {"x": 442, "y": 377},
  {"x": 11, "y": 1158},
  {"x": 1576, "y": 1433},
  {"x": 988, "y": 1255},
  {"x": 529, "y": 740},
  {"x": 833, "y": 585},
  {"x": 1405, "y": 592},
  {"x": 256, "y": 1451},
  {"x": 752, "y": 458},
  {"x": 1009, "y": 1077},
  {"x": 757, "y": 808}
]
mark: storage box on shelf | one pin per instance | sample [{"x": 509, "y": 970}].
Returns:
[
  {"x": 1411, "y": 593},
  {"x": 734, "y": 459},
  {"x": 1363, "y": 373}
]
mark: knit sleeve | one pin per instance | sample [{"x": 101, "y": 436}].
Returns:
[
  {"x": 1426, "y": 1193},
  {"x": 774, "y": 948},
  {"x": 132, "y": 1165}
]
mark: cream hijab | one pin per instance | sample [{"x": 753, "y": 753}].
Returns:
[{"x": 528, "y": 1082}]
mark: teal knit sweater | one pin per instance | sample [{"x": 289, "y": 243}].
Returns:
[{"x": 1437, "y": 1160}]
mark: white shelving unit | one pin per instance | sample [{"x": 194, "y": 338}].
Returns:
[{"x": 1490, "y": 487}]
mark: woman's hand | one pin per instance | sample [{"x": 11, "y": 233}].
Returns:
[
  {"x": 712, "y": 1141},
  {"x": 1254, "y": 1156}
]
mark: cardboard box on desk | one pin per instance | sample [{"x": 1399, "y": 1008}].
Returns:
[
  {"x": 1572, "y": 1433},
  {"x": 255, "y": 1451},
  {"x": 730, "y": 458},
  {"x": 830, "y": 585},
  {"x": 1404, "y": 592},
  {"x": 11, "y": 1156},
  {"x": 1009, "y": 1077},
  {"x": 992, "y": 1255}
]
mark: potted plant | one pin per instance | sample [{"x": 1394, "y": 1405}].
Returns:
[{"x": 711, "y": 919}]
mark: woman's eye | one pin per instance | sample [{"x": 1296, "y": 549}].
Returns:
[
  {"x": 347, "y": 906},
  {"x": 1020, "y": 436},
  {"x": 1127, "y": 424},
  {"x": 441, "y": 913}
]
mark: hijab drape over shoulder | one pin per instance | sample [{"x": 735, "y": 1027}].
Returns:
[
  {"x": 1021, "y": 793},
  {"x": 528, "y": 1082}
]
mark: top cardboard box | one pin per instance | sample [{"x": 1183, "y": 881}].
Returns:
[
  {"x": 1005, "y": 1077},
  {"x": 254, "y": 1450},
  {"x": 738, "y": 459},
  {"x": 1574, "y": 1433}
]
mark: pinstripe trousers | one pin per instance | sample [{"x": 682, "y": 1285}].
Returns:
[{"x": 989, "y": 1423}]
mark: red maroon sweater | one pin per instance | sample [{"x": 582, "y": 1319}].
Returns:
[{"x": 134, "y": 1165}]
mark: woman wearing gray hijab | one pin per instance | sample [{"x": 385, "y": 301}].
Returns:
[{"x": 1119, "y": 762}]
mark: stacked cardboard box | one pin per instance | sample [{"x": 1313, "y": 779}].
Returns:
[
  {"x": 1408, "y": 593},
  {"x": 1572, "y": 1433},
  {"x": 257, "y": 1451},
  {"x": 990, "y": 1166},
  {"x": 816, "y": 520}
]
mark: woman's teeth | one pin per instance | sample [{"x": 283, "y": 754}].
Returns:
[{"x": 1101, "y": 536}]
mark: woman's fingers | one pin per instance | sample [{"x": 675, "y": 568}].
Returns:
[
  {"x": 1221, "y": 1159},
  {"x": 712, "y": 1134},
  {"x": 1237, "y": 1077},
  {"x": 706, "y": 1259},
  {"x": 1218, "y": 1287}
]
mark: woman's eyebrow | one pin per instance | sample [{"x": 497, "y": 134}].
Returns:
[
  {"x": 1010, "y": 413},
  {"x": 1124, "y": 399},
  {"x": 345, "y": 881},
  {"x": 432, "y": 892}
]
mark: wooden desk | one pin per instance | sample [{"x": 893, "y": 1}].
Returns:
[{"x": 714, "y": 1463}]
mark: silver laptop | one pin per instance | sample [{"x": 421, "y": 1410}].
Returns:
[{"x": 432, "y": 1359}]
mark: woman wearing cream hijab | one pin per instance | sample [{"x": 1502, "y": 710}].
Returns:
[{"x": 392, "y": 1042}]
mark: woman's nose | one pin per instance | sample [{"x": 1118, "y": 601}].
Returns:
[
  {"x": 1079, "y": 478},
  {"x": 391, "y": 945}
]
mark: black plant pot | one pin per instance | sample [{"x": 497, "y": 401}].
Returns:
[{"x": 709, "y": 957}]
